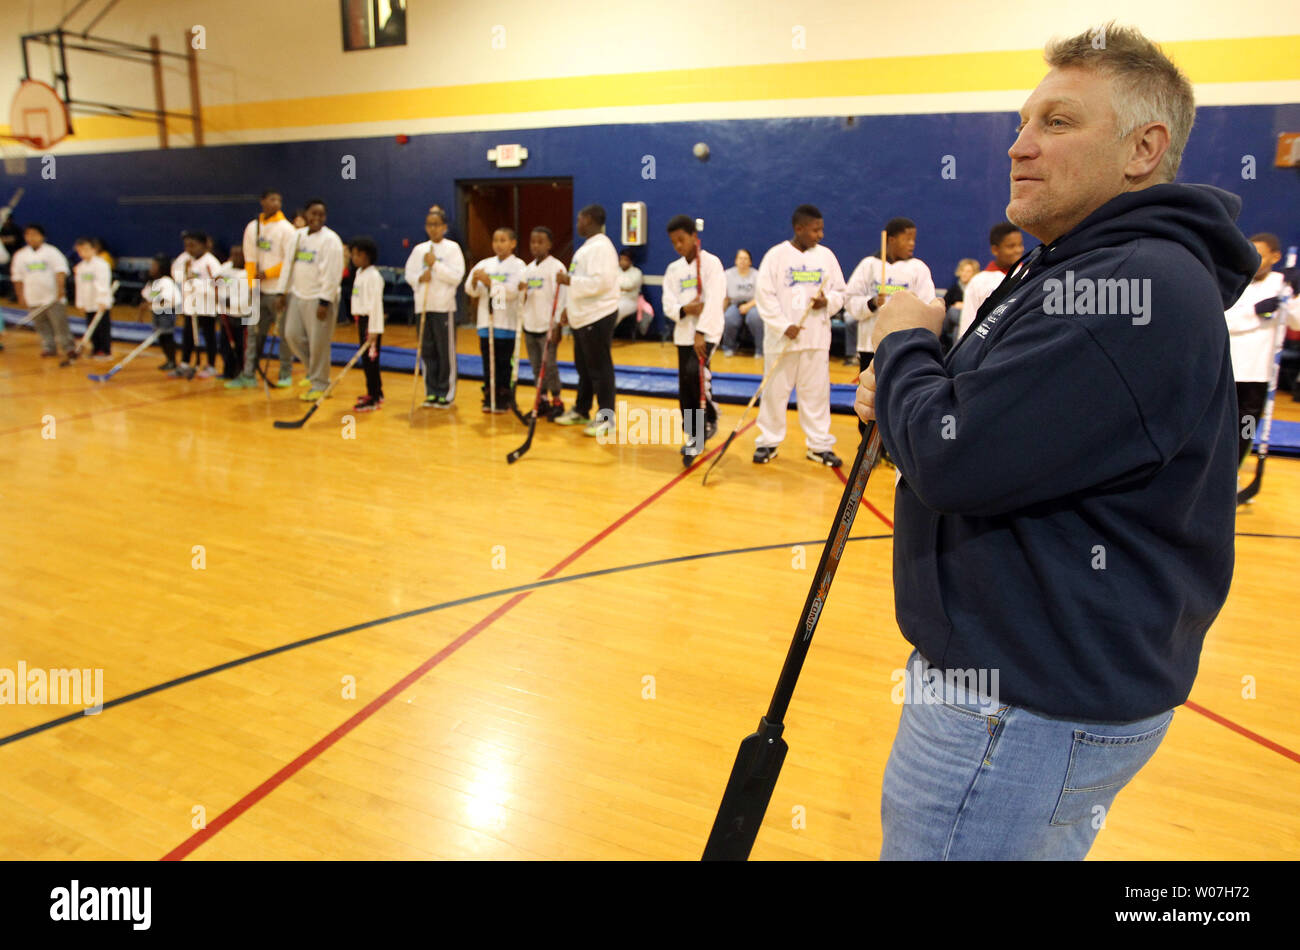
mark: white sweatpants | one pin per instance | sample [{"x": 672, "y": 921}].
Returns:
[{"x": 807, "y": 372}]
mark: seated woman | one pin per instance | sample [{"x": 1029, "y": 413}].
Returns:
[
  {"x": 629, "y": 290},
  {"x": 740, "y": 309}
]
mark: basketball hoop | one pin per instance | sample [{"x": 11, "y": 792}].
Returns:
[{"x": 37, "y": 116}]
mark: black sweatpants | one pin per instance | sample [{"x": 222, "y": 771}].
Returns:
[
  {"x": 688, "y": 391},
  {"x": 436, "y": 352},
  {"x": 595, "y": 364},
  {"x": 232, "y": 346},
  {"x": 101, "y": 341},
  {"x": 504, "y": 348},
  {"x": 374, "y": 382},
  {"x": 1250, "y": 410},
  {"x": 208, "y": 328},
  {"x": 864, "y": 360}
]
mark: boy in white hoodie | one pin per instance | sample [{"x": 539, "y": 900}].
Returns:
[
  {"x": 591, "y": 310},
  {"x": 695, "y": 288},
  {"x": 493, "y": 288},
  {"x": 434, "y": 270},
  {"x": 799, "y": 279}
]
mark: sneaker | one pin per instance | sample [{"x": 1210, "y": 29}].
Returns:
[
  {"x": 728, "y": 352},
  {"x": 850, "y": 361},
  {"x": 101, "y": 357},
  {"x": 431, "y": 402},
  {"x": 368, "y": 404},
  {"x": 442, "y": 403},
  {"x": 764, "y": 454},
  {"x": 312, "y": 395},
  {"x": 207, "y": 372},
  {"x": 284, "y": 382},
  {"x": 240, "y": 382},
  {"x": 710, "y": 430},
  {"x": 487, "y": 407},
  {"x": 168, "y": 366},
  {"x": 45, "y": 353},
  {"x": 287, "y": 381},
  {"x": 827, "y": 458},
  {"x": 554, "y": 410},
  {"x": 572, "y": 418},
  {"x": 598, "y": 428}
]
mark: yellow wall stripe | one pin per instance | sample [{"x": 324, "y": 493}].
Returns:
[{"x": 1252, "y": 59}]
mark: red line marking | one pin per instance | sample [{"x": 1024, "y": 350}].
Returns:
[
  {"x": 866, "y": 504},
  {"x": 187, "y": 847},
  {"x": 1242, "y": 731}
]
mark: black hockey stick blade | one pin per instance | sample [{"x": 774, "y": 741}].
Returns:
[
  {"x": 749, "y": 789},
  {"x": 1251, "y": 490},
  {"x": 296, "y": 423},
  {"x": 518, "y": 453},
  {"x": 717, "y": 458}
]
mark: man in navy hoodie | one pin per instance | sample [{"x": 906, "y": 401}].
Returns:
[{"x": 1065, "y": 513}]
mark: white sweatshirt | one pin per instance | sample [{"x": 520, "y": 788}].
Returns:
[
  {"x": 540, "y": 295},
  {"x": 197, "y": 279},
  {"x": 234, "y": 293},
  {"x": 978, "y": 290},
  {"x": 93, "y": 280},
  {"x": 438, "y": 294},
  {"x": 680, "y": 289},
  {"x": 368, "y": 298},
  {"x": 865, "y": 284},
  {"x": 1253, "y": 338},
  {"x": 593, "y": 287},
  {"x": 788, "y": 279},
  {"x": 41, "y": 272},
  {"x": 629, "y": 290},
  {"x": 269, "y": 247},
  {"x": 317, "y": 265},
  {"x": 505, "y": 294},
  {"x": 163, "y": 296}
]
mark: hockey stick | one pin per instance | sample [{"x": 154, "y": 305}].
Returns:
[
  {"x": 298, "y": 424},
  {"x": 1265, "y": 427},
  {"x": 540, "y": 376},
  {"x": 147, "y": 342},
  {"x": 758, "y": 763},
  {"x": 190, "y": 370},
  {"x": 776, "y": 363},
  {"x": 688, "y": 460},
  {"x": 419, "y": 372},
  {"x": 492, "y": 356},
  {"x": 7, "y": 211},
  {"x": 27, "y": 320},
  {"x": 85, "y": 337}
]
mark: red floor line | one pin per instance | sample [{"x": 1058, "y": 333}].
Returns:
[
  {"x": 187, "y": 847},
  {"x": 1243, "y": 731},
  {"x": 606, "y": 532},
  {"x": 868, "y": 505}
]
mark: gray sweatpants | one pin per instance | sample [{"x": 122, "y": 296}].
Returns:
[
  {"x": 310, "y": 338},
  {"x": 254, "y": 342},
  {"x": 52, "y": 325}
]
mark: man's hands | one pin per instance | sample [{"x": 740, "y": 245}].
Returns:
[
  {"x": 792, "y": 330},
  {"x": 904, "y": 311},
  {"x": 819, "y": 301},
  {"x": 430, "y": 259},
  {"x": 562, "y": 277},
  {"x": 864, "y": 403},
  {"x": 694, "y": 308},
  {"x": 481, "y": 277}
]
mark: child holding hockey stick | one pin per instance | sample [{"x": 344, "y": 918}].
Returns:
[
  {"x": 195, "y": 272},
  {"x": 39, "y": 273},
  {"x": 539, "y": 289},
  {"x": 161, "y": 300},
  {"x": 368, "y": 309},
  {"x": 92, "y": 281},
  {"x": 234, "y": 312},
  {"x": 695, "y": 288},
  {"x": 493, "y": 285},
  {"x": 434, "y": 270}
]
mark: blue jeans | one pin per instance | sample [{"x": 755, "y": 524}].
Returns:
[
  {"x": 731, "y": 330},
  {"x": 973, "y": 780}
]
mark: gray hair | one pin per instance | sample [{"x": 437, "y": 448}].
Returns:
[{"x": 1146, "y": 85}]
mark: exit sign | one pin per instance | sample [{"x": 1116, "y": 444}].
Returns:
[{"x": 507, "y": 156}]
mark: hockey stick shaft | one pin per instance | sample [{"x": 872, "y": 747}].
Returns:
[
  {"x": 539, "y": 381},
  {"x": 144, "y": 345},
  {"x": 282, "y": 424},
  {"x": 419, "y": 372}
]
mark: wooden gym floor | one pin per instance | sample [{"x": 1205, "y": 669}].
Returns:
[{"x": 555, "y": 659}]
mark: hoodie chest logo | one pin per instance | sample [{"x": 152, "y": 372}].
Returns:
[{"x": 988, "y": 322}]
